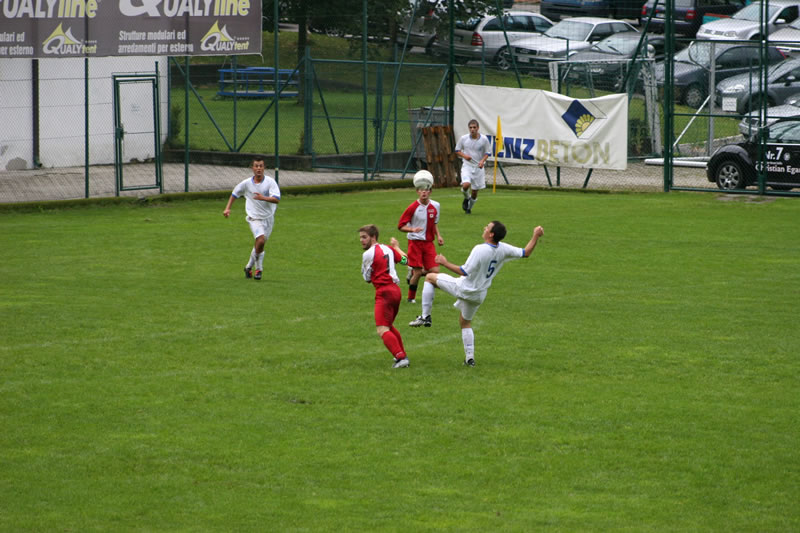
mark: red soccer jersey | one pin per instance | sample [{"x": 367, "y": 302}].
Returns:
[
  {"x": 421, "y": 216},
  {"x": 377, "y": 265}
]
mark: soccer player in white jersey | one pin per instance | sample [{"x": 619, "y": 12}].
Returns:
[
  {"x": 475, "y": 278},
  {"x": 421, "y": 221},
  {"x": 378, "y": 267},
  {"x": 262, "y": 196},
  {"x": 474, "y": 149}
]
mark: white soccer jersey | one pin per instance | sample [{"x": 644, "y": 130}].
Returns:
[
  {"x": 475, "y": 148},
  {"x": 258, "y": 209},
  {"x": 483, "y": 264}
]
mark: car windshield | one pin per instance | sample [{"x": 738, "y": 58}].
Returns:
[
  {"x": 788, "y": 131},
  {"x": 616, "y": 44},
  {"x": 569, "y": 29},
  {"x": 753, "y": 12},
  {"x": 784, "y": 67},
  {"x": 699, "y": 52}
]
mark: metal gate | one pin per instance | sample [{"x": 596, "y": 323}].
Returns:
[{"x": 137, "y": 133}]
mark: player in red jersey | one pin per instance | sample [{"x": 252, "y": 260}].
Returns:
[
  {"x": 421, "y": 221},
  {"x": 377, "y": 267}
]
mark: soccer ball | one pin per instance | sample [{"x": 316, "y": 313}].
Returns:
[{"x": 423, "y": 180}]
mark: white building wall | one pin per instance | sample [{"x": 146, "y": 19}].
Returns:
[{"x": 62, "y": 110}]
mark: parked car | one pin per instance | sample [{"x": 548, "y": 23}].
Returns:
[
  {"x": 482, "y": 37},
  {"x": 608, "y": 61},
  {"x": 693, "y": 65},
  {"x": 752, "y": 121},
  {"x": 735, "y": 166},
  {"x": 429, "y": 16},
  {"x": 618, "y": 9},
  {"x": 421, "y": 29},
  {"x": 787, "y": 39},
  {"x": 743, "y": 93},
  {"x": 688, "y": 14},
  {"x": 565, "y": 39},
  {"x": 746, "y": 23}
]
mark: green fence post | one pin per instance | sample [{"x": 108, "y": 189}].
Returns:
[{"x": 308, "y": 104}]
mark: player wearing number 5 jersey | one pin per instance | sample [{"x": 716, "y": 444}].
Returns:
[
  {"x": 475, "y": 278},
  {"x": 378, "y": 267}
]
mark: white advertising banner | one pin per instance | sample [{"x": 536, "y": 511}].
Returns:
[{"x": 543, "y": 128}]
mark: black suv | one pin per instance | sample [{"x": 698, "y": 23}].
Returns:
[{"x": 689, "y": 14}]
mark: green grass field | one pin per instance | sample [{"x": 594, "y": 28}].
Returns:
[{"x": 639, "y": 373}]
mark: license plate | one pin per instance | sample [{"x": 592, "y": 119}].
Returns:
[
  {"x": 659, "y": 16},
  {"x": 728, "y": 104},
  {"x": 523, "y": 59}
]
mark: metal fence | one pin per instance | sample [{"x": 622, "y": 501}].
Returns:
[{"x": 105, "y": 127}]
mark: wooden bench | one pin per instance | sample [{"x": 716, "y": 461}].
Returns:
[{"x": 257, "y": 82}]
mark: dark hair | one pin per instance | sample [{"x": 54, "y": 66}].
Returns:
[
  {"x": 369, "y": 229},
  {"x": 257, "y": 158},
  {"x": 498, "y": 231},
  {"x": 473, "y": 121}
]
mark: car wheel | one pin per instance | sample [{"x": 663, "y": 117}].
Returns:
[
  {"x": 694, "y": 96},
  {"x": 729, "y": 175},
  {"x": 503, "y": 59}
]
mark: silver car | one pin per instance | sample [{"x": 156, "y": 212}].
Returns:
[
  {"x": 746, "y": 23},
  {"x": 564, "y": 39},
  {"x": 750, "y": 123},
  {"x": 742, "y": 93},
  {"x": 482, "y": 38},
  {"x": 787, "y": 39}
]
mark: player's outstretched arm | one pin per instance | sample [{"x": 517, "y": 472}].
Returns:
[
  {"x": 537, "y": 232},
  {"x": 395, "y": 245},
  {"x": 226, "y": 213},
  {"x": 442, "y": 260}
]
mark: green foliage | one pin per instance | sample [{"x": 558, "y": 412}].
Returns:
[{"x": 638, "y": 373}]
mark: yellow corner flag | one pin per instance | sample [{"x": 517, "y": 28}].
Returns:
[{"x": 498, "y": 142}]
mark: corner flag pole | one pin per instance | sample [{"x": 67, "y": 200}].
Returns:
[{"x": 498, "y": 141}]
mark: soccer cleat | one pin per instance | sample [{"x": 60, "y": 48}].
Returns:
[
  {"x": 465, "y": 205},
  {"x": 470, "y": 362},
  {"x": 401, "y": 363},
  {"x": 412, "y": 301},
  {"x": 257, "y": 275},
  {"x": 421, "y": 321},
  {"x": 468, "y": 210},
  {"x": 248, "y": 272}
]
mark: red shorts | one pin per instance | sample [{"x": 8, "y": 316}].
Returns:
[
  {"x": 387, "y": 303},
  {"x": 421, "y": 254}
]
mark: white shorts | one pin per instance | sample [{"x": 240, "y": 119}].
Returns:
[
  {"x": 452, "y": 286},
  {"x": 260, "y": 226},
  {"x": 474, "y": 175}
]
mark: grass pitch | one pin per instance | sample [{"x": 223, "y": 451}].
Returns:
[{"x": 638, "y": 373}]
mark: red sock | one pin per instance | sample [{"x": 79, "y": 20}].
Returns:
[
  {"x": 399, "y": 338},
  {"x": 393, "y": 345}
]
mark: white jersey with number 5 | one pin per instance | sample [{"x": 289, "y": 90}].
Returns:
[{"x": 483, "y": 264}]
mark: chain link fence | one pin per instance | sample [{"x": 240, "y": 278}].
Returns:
[{"x": 110, "y": 126}]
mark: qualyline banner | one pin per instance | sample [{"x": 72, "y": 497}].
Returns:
[
  {"x": 97, "y": 28},
  {"x": 540, "y": 127}
]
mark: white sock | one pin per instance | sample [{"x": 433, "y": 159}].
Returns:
[
  {"x": 468, "y": 338},
  {"x": 465, "y": 192},
  {"x": 472, "y": 202},
  {"x": 260, "y": 261},
  {"x": 252, "y": 260},
  {"x": 427, "y": 298}
]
